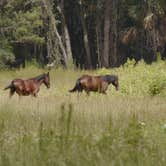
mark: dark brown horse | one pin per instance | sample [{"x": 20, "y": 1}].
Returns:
[
  {"x": 28, "y": 87},
  {"x": 95, "y": 83}
]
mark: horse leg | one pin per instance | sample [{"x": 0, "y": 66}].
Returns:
[
  {"x": 87, "y": 92},
  {"x": 104, "y": 92},
  {"x": 11, "y": 93},
  {"x": 78, "y": 93},
  {"x": 116, "y": 85},
  {"x": 104, "y": 87},
  {"x": 35, "y": 95},
  {"x": 19, "y": 97}
]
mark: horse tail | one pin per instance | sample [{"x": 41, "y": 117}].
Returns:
[
  {"x": 77, "y": 86},
  {"x": 9, "y": 86}
]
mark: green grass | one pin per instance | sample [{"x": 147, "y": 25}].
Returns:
[{"x": 125, "y": 127}]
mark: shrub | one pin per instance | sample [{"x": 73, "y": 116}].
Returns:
[
  {"x": 157, "y": 86},
  {"x": 6, "y": 54}
]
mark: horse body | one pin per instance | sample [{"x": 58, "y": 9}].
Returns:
[
  {"x": 92, "y": 83},
  {"x": 95, "y": 83},
  {"x": 28, "y": 87}
]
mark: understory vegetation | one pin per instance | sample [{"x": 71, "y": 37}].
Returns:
[{"x": 125, "y": 127}]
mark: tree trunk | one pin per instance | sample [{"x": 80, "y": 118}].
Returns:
[
  {"x": 53, "y": 36},
  {"x": 99, "y": 32},
  {"x": 66, "y": 34},
  {"x": 98, "y": 47},
  {"x": 86, "y": 42},
  {"x": 64, "y": 58},
  {"x": 105, "y": 54},
  {"x": 113, "y": 34},
  {"x": 151, "y": 45}
]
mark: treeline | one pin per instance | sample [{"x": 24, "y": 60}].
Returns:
[{"x": 88, "y": 33}]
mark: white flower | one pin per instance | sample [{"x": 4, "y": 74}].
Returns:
[{"x": 142, "y": 123}]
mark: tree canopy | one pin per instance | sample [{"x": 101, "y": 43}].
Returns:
[{"x": 88, "y": 33}]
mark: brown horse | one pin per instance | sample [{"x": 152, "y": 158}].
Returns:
[
  {"x": 95, "y": 83},
  {"x": 28, "y": 87}
]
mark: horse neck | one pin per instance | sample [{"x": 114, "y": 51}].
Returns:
[
  {"x": 110, "y": 79},
  {"x": 41, "y": 81},
  {"x": 105, "y": 78}
]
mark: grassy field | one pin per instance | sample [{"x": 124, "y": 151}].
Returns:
[{"x": 125, "y": 127}]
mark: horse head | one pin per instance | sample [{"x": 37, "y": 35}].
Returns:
[
  {"x": 112, "y": 79},
  {"x": 46, "y": 80}
]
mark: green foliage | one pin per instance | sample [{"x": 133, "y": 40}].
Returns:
[
  {"x": 32, "y": 63},
  {"x": 28, "y": 26},
  {"x": 6, "y": 54},
  {"x": 130, "y": 63},
  {"x": 24, "y": 24},
  {"x": 157, "y": 6},
  {"x": 134, "y": 132},
  {"x": 157, "y": 86},
  {"x": 21, "y": 22},
  {"x": 140, "y": 79}
]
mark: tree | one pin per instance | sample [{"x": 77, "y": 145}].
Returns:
[
  {"x": 65, "y": 32},
  {"x": 21, "y": 27},
  {"x": 106, "y": 43},
  {"x": 90, "y": 33}
]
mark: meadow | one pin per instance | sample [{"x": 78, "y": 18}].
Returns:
[{"x": 123, "y": 128}]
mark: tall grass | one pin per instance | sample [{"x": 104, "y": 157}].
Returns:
[{"x": 127, "y": 127}]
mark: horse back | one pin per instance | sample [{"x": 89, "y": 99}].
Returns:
[
  {"x": 31, "y": 84},
  {"x": 17, "y": 82},
  {"x": 90, "y": 82},
  {"x": 26, "y": 85}
]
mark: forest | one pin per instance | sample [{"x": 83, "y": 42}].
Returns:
[{"x": 90, "y": 34}]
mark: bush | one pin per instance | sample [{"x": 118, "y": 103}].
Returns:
[
  {"x": 139, "y": 79},
  {"x": 157, "y": 86},
  {"x": 6, "y": 54}
]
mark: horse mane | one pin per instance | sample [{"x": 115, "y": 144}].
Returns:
[
  {"x": 109, "y": 78},
  {"x": 40, "y": 77}
]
